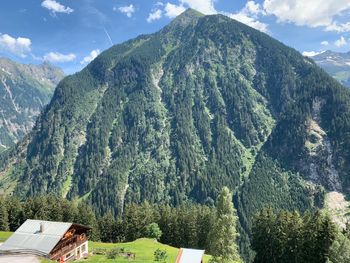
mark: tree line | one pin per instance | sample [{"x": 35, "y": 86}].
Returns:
[
  {"x": 189, "y": 225},
  {"x": 290, "y": 237}
]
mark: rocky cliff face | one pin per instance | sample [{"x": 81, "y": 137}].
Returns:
[{"x": 24, "y": 91}]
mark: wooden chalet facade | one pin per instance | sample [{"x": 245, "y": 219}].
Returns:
[
  {"x": 53, "y": 240},
  {"x": 73, "y": 245}
]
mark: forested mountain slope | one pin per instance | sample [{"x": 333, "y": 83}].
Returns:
[
  {"x": 204, "y": 103},
  {"x": 24, "y": 90}
]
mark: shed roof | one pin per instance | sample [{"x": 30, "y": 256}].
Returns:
[
  {"x": 29, "y": 238},
  {"x": 187, "y": 255}
]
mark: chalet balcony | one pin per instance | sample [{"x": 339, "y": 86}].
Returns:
[{"x": 68, "y": 245}]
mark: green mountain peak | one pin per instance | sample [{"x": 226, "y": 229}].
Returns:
[
  {"x": 174, "y": 116},
  {"x": 188, "y": 17}
]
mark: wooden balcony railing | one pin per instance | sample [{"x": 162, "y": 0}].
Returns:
[{"x": 66, "y": 246}]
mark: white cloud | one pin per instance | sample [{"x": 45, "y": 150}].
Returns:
[
  {"x": 19, "y": 46},
  {"x": 59, "y": 58},
  {"x": 254, "y": 8},
  {"x": 250, "y": 21},
  {"x": 249, "y": 15},
  {"x": 128, "y": 10},
  {"x": 155, "y": 15},
  {"x": 172, "y": 11},
  {"x": 204, "y": 6},
  {"x": 93, "y": 54},
  {"x": 312, "y": 53},
  {"x": 339, "y": 27},
  {"x": 340, "y": 42},
  {"x": 315, "y": 13},
  {"x": 324, "y": 43},
  {"x": 56, "y": 7}
]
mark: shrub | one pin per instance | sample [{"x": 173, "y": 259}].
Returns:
[
  {"x": 160, "y": 255},
  {"x": 113, "y": 253},
  {"x": 153, "y": 231}
]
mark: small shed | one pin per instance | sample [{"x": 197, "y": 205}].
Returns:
[
  {"x": 53, "y": 240},
  {"x": 187, "y": 255}
]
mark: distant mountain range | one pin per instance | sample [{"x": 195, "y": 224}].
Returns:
[
  {"x": 336, "y": 64},
  {"x": 24, "y": 90}
]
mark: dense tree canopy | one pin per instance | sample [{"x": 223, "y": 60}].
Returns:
[{"x": 290, "y": 237}]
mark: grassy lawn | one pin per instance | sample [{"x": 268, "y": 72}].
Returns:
[
  {"x": 4, "y": 236},
  {"x": 143, "y": 249}
]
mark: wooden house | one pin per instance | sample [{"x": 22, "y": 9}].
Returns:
[{"x": 53, "y": 240}]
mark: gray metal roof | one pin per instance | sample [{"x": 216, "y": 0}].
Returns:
[
  {"x": 191, "y": 255},
  {"x": 29, "y": 238}
]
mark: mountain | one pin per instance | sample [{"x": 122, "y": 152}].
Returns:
[
  {"x": 173, "y": 116},
  {"x": 336, "y": 64},
  {"x": 24, "y": 90}
]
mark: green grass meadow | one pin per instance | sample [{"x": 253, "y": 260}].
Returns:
[{"x": 143, "y": 249}]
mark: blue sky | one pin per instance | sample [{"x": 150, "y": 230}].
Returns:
[{"x": 69, "y": 33}]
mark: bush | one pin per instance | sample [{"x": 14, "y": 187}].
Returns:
[
  {"x": 160, "y": 255},
  {"x": 153, "y": 231},
  {"x": 113, "y": 253}
]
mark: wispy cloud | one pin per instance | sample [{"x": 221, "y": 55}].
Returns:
[
  {"x": 19, "y": 46},
  {"x": 204, "y": 6},
  {"x": 312, "y": 53},
  {"x": 154, "y": 15},
  {"x": 56, "y": 57},
  {"x": 93, "y": 54},
  {"x": 127, "y": 10},
  {"x": 172, "y": 10},
  {"x": 249, "y": 15},
  {"x": 56, "y": 7},
  {"x": 340, "y": 42}
]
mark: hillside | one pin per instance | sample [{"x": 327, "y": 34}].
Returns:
[
  {"x": 142, "y": 248},
  {"x": 24, "y": 91},
  {"x": 176, "y": 115},
  {"x": 336, "y": 64}
]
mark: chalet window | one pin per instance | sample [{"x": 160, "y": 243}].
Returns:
[
  {"x": 68, "y": 255},
  {"x": 83, "y": 248}
]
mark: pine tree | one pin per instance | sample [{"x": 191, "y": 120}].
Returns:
[
  {"x": 340, "y": 250},
  {"x": 263, "y": 237},
  {"x": 224, "y": 235},
  {"x": 291, "y": 238},
  {"x": 106, "y": 227},
  {"x": 15, "y": 213},
  {"x": 86, "y": 216}
]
